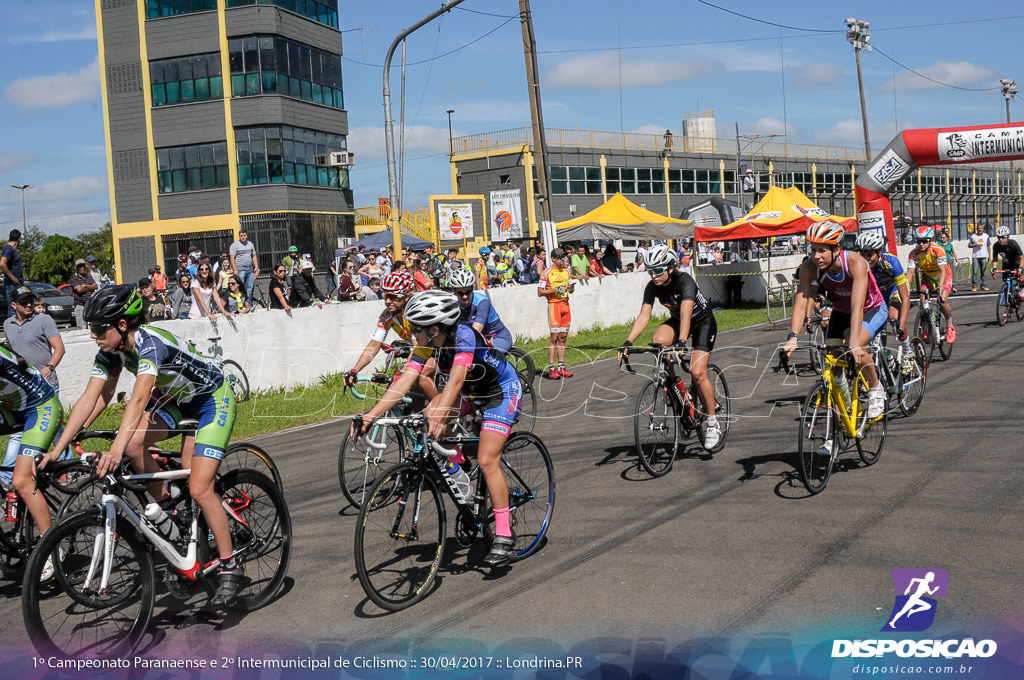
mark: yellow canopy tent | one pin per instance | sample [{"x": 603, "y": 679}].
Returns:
[{"x": 620, "y": 218}]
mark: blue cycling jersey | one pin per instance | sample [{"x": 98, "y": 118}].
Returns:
[{"x": 481, "y": 311}]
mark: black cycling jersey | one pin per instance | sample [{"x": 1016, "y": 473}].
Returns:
[
  {"x": 679, "y": 288},
  {"x": 1011, "y": 253}
]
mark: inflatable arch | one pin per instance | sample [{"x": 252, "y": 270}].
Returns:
[{"x": 912, "y": 149}]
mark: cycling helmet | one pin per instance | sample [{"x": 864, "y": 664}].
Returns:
[
  {"x": 433, "y": 307},
  {"x": 485, "y": 251},
  {"x": 1002, "y": 231},
  {"x": 461, "y": 278},
  {"x": 182, "y": 257},
  {"x": 870, "y": 240},
  {"x": 827, "y": 232},
  {"x": 924, "y": 232},
  {"x": 397, "y": 283},
  {"x": 111, "y": 304},
  {"x": 659, "y": 256}
]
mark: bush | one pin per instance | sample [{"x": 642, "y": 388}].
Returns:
[{"x": 55, "y": 261}]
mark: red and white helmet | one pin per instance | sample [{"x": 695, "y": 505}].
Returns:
[
  {"x": 827, "y": 232},
  {"x": 397, "y": 283},
  {"x": 924, "y": 232}
]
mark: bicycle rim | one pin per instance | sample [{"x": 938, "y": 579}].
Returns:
[
  {"x": 912, "y": 380},
  {"x": 945, "y": 347},
  {"x": 399, "y": 538},
  {"x": 238, "y": 381},
  {"x": 527, "y": 418},
  {"x": 246, "y": 455},
  {"x": 360, "y": 465},
  {"x": 523, "y": 363},
  {"x": 1002, "y": 306},
  {"x": 530, "y": 478},
  {"x": 870, "y": 433},
  {"x": 655, "y": 429},
  {"x": 817, "y": 338},
  {"x": 1018, "y": 309},
  {"x": 925, "y": 331},
  {"x": 817, "y": 443},
  {"x": 64, "y": 616},
  {"x": 723, "y": 408}
]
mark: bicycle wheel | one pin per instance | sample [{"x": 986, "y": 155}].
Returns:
[
  {"x": 911, "y": 379},
  {"x": 247, "y": 455},
  {"x": 656, "y": 429},
  {"x": 1018, "y": 308},
  {"x": 723, "y": 408},
  {"x": 925, "y": 331},
  {"x": 527, "y": 418},
  {"x": 360, "y": 465},
  {"x": 15, "y": 540},
  {"x": 817, "y": 339},
  {"x": 1003, "y": 304},
  {"x": 945, "y": 347},
  {"x": 530, "y": 477},
  {"x": 238, "y": 381},
  {"x": 523, "y": 363},
  {"x": 817, "y": 443},
  {"x": 870, "y": 433},
  {"x": 68, "y": 615},
  {"x": 400, "y": 537},
  {"x": 258, "y": 297}
]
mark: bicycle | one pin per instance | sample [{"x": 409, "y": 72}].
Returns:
[
  {"x": 832, "y": 418},
  {"x": 235, "y": 376},
  {"x": 1009, "y": 297},
  {"x": 931, "y": 327},
  {"x": 258, "y": 297},
  {"x": 902, "y": 374},
  {"x": 101, "y": 598},
  {"x": 400, "y": 535},
  {"x": 814, "y": 330},
  {"x": 664, "y": 407}
]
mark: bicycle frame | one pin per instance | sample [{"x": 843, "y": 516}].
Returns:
[
  {"x": 667, "y": 356},
  {"x": 848, "y": 414}
]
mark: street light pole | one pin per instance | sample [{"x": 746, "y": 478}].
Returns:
[
  {"x": 24, "y": 222},
  {"x": 859, "y": 35},
  {"x": 1009, "y": 90},
  {"x": 451, "y": 152}
]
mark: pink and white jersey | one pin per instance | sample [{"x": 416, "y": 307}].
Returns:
[{"x": 840, "y": 287}]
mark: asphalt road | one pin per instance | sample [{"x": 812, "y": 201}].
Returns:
[{"x": 723, "y": 548}]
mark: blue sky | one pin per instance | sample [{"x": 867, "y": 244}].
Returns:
[{"x": 632, "y": 65}]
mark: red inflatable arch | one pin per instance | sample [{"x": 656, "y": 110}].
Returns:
[{"x": 912, "y": 149}]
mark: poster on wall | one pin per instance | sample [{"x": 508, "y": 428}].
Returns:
[
  {"x": 455, "y": 221},
  {"x": 507, "y": 219}
]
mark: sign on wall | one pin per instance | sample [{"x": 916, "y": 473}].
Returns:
[
  {"x": 455, "y": 221},
  {"x": 506, "y": 215}
]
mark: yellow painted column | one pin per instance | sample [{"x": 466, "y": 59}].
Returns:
[
  {"x": 604, "y": 178},
  {"x": 531, "y": 210},
  {"x": 229, "y": 128},
  {"x": 668, "y": 194}
]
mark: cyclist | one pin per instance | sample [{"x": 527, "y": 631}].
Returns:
[
  {"x": 690, "y": 316},
  {"x": 555, "y": 285},
  {"x": 458, "y": 351},
  {"x": 858, "y": 308},
  {"x": 477, "y": 310},
  {"x": 891, "y": 280},
  {"x": 173, "y": 382},
  {"x": 1011, "y": 253},
  {"x": 936, "y": 274},
  {"x": 481, "y": 267}
]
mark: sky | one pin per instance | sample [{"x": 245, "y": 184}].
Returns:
[{"x": 783, "y": 68}]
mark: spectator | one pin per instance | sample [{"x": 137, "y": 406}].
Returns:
[
  {"x": 204, "y": 294},
  {"x": 537, "y": 265},
  {"x": 224, "y": 275},
  {"x": 154, "y": 308},
  {"x": 371, "y": 291},
  {"x": 594, "y": 268},
  {"x": 371, "y": 268},
  {"x": 279, "y": 289},
  {"x": 10, "y": 264},
  {"x": 718, "y": 255},
  {"x": 94, "y": 271},
  {"x": 611, "y": 262},
  {"x": 82, "y": 288},
  {"x": 332, "y": 277},
  {"x": 419, "y": 276},
  {"x": 182, "y": 269},
  {"x": 980, "y": 255},
  {"x": 235, "y": 298},
  {"x": 244, "y": 261},
  {"x": 40, "y": 306},
  {"x": 348, "y": 289},
  {"x": 385, "y": 260},
  {"x": 291, "y": 262},
  {"x": 578, "y": 262},
  {"x": 34, "y": 337},
  {"x": 159, "y": 279},
  {"x": 193, "y": 265},
  {"x": 179, "y": 301},
  {"x": 304, "y": 290}
]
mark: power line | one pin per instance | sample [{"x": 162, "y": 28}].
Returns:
[
  {"x": 928, "y": 78},
  {"x": 771, "y": 23},
  {"x": 440, "y": 56}
]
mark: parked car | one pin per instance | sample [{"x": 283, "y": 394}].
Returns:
[{"x": 59, "y": 304}]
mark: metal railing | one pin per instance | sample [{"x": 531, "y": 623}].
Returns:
[{"x": 374, "y": 218}]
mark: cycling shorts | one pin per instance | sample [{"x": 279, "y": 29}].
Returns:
[
  {"x": 933, "y": 284},
  {"x": 216, "y": 416},
  {"x": 559, "y": 316},
  {"x": 839, "y": 322},
  {"x": 41, "y": 426},
  {"x": 702, "y": 331},
  {"x": 893, "y": 297},
  {"x": 500, "y": 410}
]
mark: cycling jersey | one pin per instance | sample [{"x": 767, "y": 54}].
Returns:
[
  {"x": 930, "y": 261},
  {"x": 1011, "y": 253},
  {"x": 888, "y": 273},
  {"x": 556, "y": 279},
  {"x": 679, "y": 288},
  {"x": 21, "y": 389},
  {"x": 395, "y": 321},
  {"x": 481, "y": 311},
  {"x": 840, "y": 287}
]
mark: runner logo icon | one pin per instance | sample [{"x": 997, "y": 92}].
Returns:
[{"x": 915, "y": 605}]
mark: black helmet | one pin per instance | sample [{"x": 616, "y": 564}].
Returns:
[{"x": 109, "y": 305}]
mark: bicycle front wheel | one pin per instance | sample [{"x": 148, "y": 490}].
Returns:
[
  {"x": 400, "y": 537},
  {"x": 817, "y": 339},
  {"x": 923, "y": 329},
  {"x": 1018, "y": 308},
  {"x": 723, "y": 408},
  {"x": 911, "y": 378},
  {"x": 1003, "y": 304},
  {"x": 656, "y": 429},
  {"x": 69, "y": 615},
  {"x": 530, "y": 478},
  {"x": 238, "y": 381},
  {"x": 527, "y": 418},
  {"x": 817, "y": 443},
  {"x": 945, "y": 346},
  {"x": 245, "y": 455},
  {"x": 870, "y": 433},
  {"x": 523, "y": 363},
  {"x": 361, "y": 465}
]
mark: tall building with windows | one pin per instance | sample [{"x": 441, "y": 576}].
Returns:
[{"x": 223, "y": 114}]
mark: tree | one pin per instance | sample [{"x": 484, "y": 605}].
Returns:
[
  {"x": 55, "y": 261},
  {"x": 100, "y": 243},
  {"x": 31, "y": 241}
]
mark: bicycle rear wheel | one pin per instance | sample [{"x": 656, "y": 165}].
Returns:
[
  {"x": 523, "y": 363},
  {"x": 911, "y": 378},
  {"x": 247, "y": 455},
  {"x": 530, "y": 477},
  {"x": 68, "y": 615},
  {"x": 817, "y": 441},
  {"x": 656, "y": 429},
  {"x": 360, "y": 465},
  {"x": 924, "y": 330},
  {"x": 238, "y": 381},
  {"x": 723, "y": 408},
  {"x": 1003, "y": 304},
  {"x": 400, "y": 537},
  {"x": 1018, "y": 308}
]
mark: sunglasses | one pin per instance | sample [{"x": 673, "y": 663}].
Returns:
[
  {"x": 657, "y": 271},
  {"x": 923, "y": 241},
  {"x": 464, "y": 293},
  {"x": 233, "y": 284},
  {"x": 204, "y": 269},
  {"x": 391, "y": 297},
  {"x": 99, "y": 328}
]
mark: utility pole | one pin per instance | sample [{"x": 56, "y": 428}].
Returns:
[
  {"x": 1009, "y": 90},
  {"x": 21, "y": 188},
  {"x": 540, "y": 148},
  {"x": 859, "y": 35}
]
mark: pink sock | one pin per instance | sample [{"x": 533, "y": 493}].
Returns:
[{"x": 501, "y": 527}]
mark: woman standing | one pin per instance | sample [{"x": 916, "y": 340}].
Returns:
[
  {"x": 348, "y": 289},
  {"x": 204, "y": 295}
]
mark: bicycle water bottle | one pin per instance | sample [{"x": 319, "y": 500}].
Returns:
[
  {"x": 12, "y": 506},
  {"x": 844, "y": 388},
  {"x": 455, "y": 476},
  {"x": 162, "y": 521}
]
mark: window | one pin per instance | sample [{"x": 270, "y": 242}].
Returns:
[
  {"x": 284, "y": 154},
  {"x": 267, "y": 64},
  {"x": 192, "y": 168},
  {"x": 186, "y": 79},
  {"x": 167, "y": 8},
  {"x": 321, "y": 11}
]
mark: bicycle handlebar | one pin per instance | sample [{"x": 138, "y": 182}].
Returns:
[
  {"x": 376, "y": 378},
  {"x": 653, "y": 348}
]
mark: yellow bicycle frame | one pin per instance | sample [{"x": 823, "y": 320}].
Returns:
[{"x": 848, "y": 420}]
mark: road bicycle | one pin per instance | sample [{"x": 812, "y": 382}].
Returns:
[
  {"x": 834, "y": 418},
  {"x": 235, "y": 376},
  {"x": 101, "y": 598},
  {"x": 1008, "y": 299},
  {"x": 665, "y": 409},
  {"x": 258, "y": 297},
  {"x": 400, "y": 536},
  {"x": 902, "y": 373},
  {"x": 931, "y": 327},
  {"x": 814, "y": 331}
]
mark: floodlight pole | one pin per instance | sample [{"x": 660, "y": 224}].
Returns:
[
  {"x": 22, "y": 187},
  {"x": 859, "y": 34}
]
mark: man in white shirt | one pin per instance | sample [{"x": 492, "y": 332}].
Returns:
[
  {"x": 244, "y": 261},
  {"x": 981, "y": 253}
]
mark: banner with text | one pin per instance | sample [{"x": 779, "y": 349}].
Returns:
[{"x": 507, "y": 219}]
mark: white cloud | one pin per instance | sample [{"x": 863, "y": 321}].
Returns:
[
  {"x": 367, "y": 141},
  {"x": 75, "y": 188},
  {"x": 601, "y": 72},
  {"x": 769, "y": 126},
  {"x": 12, "y": 160},
  {"x": 850, "y": 132},
  {"x": 88, "y": 33},
  {"x": 58, "y": 91},
  {"x": 812, "y": 76},
  {"x": 960, "y": 73}
]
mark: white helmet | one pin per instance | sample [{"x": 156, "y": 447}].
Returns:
[
  {"x": 872, "y": 239},
  {"x": 1002, "y": 231},
  {"x": 659, "y": 256},
  {"x": 433, "y": 307},
  {"x": 461, "y": 278}
]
